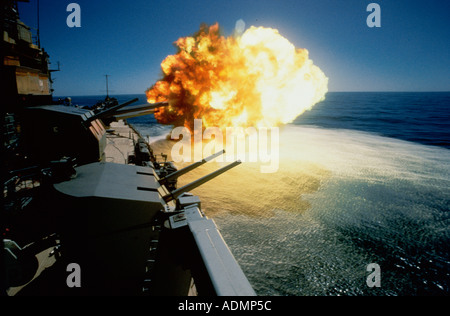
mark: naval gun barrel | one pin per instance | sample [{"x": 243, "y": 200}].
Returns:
[
  {"x": 138, "y": 110},
  {"x": 110, "y": 111},
  {"x": 176, "y": 193},
  {"x": 142, "y": 107},
  {"x": 179, "y": 173}
]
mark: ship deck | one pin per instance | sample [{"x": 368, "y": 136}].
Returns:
[{"x": 120, "y": 139}]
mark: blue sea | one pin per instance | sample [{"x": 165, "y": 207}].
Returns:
[{"x": 364, "y": 178}]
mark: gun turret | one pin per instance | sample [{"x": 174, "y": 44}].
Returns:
[
  {"x": 55, "y": 131},
  {"x": 51, "y": 132}
]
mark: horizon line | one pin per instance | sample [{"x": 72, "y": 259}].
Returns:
[{"x": 360, "y": 91}]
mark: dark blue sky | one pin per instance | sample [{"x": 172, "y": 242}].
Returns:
[{"x": 129, "y": 39}]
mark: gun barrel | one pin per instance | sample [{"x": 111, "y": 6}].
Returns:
[
  {"x": 141, "y": 107},
  {"x": 110, "y": 111},
  {"x": 176, "y": 193},
  {"x": 138, "y": 110},
  {"x": 179, "y": 173}
]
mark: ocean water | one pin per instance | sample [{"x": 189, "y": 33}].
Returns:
[{"x": 363, "y": 178}]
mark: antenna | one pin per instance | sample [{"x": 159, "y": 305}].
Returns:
[{"x": 107, "y": 90}]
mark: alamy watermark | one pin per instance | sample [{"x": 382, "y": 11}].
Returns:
[
  {"x": 374, "y": 278},
  {"x": 74, "y": 18},
  {"x": 74, "y": 277},
  {"x": 374, "y": 18},
  {"x": 247, "y": 145}
]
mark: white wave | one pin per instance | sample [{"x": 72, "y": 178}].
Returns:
[{"x": 363, "y": 155}]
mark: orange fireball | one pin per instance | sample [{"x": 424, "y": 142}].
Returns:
[{"x": 257, "y": 79}]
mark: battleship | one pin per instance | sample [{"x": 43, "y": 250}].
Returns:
[{"x": 88, "y": 208}]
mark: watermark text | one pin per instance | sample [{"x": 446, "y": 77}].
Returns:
[{"x": 247, "y": 145}]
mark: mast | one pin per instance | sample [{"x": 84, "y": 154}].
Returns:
[{"x": 38, "y": 26}]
